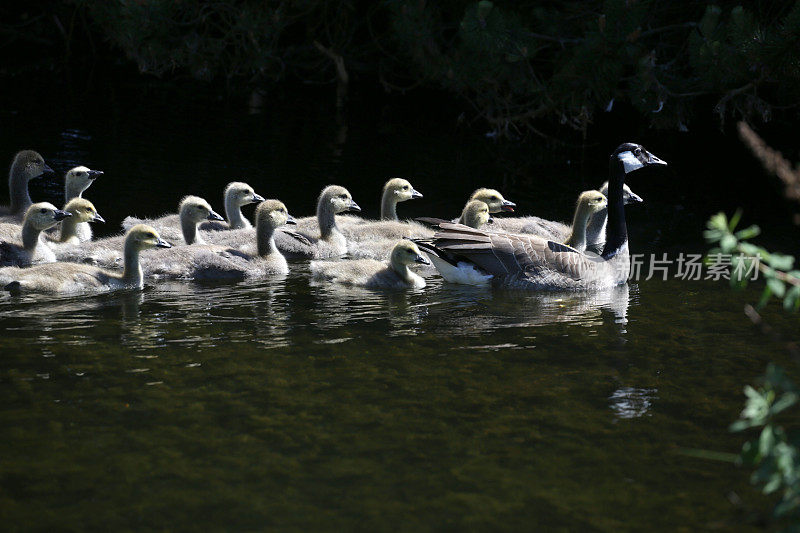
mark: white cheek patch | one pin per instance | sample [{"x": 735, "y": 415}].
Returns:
[{"x": 630, "y": 161}]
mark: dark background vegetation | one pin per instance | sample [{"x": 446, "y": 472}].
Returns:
[{"x": 545, "y": 79}]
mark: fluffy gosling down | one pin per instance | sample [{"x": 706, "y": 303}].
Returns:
[
  {"x": 73, "y": 278},
  {"x": 27, "y": 248},
  {"x": 375, "y": 274}
]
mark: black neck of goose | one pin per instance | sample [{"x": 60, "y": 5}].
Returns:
[{"x": 616, "y": 229}]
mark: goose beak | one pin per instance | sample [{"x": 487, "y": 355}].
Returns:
[
  {"x": 257, "y": 198},
  {"x": 415, "y": 194},
  {"x": 58, "y": 215},
  {"x": 653, "y": 160},
  {"x": 635, "y": 198},
  {"x": 290, "y": 220},
  {"x": 421, "y": 260},
  {"x": 161, "y": 243},
  {"x": 353, "y": 206},
  {"x": 490, "y": 221},
  {"x": 98, "y": 218},
  {"x": 508, "y": 206},
  {"x": 214, "y": 216},
  {"x": 94, "y": 174},
  {"x": 46, "y": 171}
]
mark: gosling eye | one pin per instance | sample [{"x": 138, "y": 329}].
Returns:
[
  {"x": 43, "y": 210},
  {"x": 405, "y": 187},
  {"x": 495, "y": 199}
]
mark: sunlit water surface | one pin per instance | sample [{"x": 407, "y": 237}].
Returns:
[{"x": 286, "y": 403}]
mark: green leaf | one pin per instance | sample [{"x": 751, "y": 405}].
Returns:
[
  {"x": 792, "y": 298},
  {"x": 777, "y": 287},
  {"x": 751, "y": 249},
  {"x": 773, "y": 484},
  {"x": 766, "y": 441},
  {"x": 728, "y": 243},
  {"x": 748, "y": 233},
  {"x": 786, "y": 400},
  {"x": 737, "y": 216},
  {"x": 780, "y": 262}
]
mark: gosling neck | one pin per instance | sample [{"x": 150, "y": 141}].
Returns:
[
  {"x": 18, "y": 190},
  {"x": 233, "y": 212},
  {"x": 577, "y": 235},
  {"x": 132, "y": 270},
  {"x": 402, "y": 269},
  {"x": 72, "y": 190},
  {"x": 326, "y": 218},
  {"x": 388, "y": 206},
  {"x": 69, "y": 229},
  {"x": 596, "y": 228},
  {"x": 30, "y": 236},
  {"x": 190, "y": 234},
  {"x": 265, "y": 240},
  {"x": 616, "y": 229}
]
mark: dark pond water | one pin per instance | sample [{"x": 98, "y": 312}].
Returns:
[{"x": 289, "y": 404}]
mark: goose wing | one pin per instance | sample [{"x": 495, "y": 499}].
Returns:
[{"x": 513, "y": 255}]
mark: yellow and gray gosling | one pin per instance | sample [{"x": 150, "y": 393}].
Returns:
[
  {"x": 83, "y": 212},
  {"x": 375, "y": 274},
  {"x": 396, "y": 190},
  {"x": 494, "y": 200},
  {"x": 192, "y": 211},
  {"x": 28, "y": 249},
  {"x": 27, "y": 165},
  {"x": 237, "y": 195},
  {"x": 475, "y": 214},
  {"x": 72, "y": 278},
  {"x": 333, "y": 200},
  {"x": 270, "y": 215},
  {"x": 589, "y": 203}
]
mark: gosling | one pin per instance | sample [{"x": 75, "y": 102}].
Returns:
[
  {"x": 27, "y": 165},
  {"x": 375, "y": 274},
  {"x": 83, "y": 212},
  {"x": 29, "y": 249},
  {"x": 330, "y": 242},
  {"x": 589, "y": 203},
  {"x": 237, "y": 195},
  {"x": 72, "y": 278},
  {"x": 267, "y": 260}
]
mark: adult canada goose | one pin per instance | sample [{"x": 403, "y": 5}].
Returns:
[
  {"x": 474, "y": 215},
  {"x": 465, "y": 255},
  {"x": 375, "y": 274},
  {"x": 83, "y": 212},
  {"x": 330, "y": 242},
  {"x": 27, "y": 248},
  {"x": 71, "y": 277},
  {"x": 559, "y": 231},
  {"x": 589, "y": 203},
  {"x": 237, "y": 195},
  {"x": 27, "y": 165}
]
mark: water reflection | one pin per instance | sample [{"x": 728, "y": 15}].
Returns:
[{"x": 630, "y": 402}]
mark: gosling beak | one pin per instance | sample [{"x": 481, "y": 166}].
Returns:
[
  {"x": 508, "y": 206},
  {"x": 421, "y": 260},
  {"x": 257, "y": 198},
  {"x": 47, "y": 171},
  {"x": 634, "y": 198},
  {"x": 290, "y": 220},
  {"x": 490, "y": 221},
  {"x": 353, "y": 206},
  {"x": 97, "y": 218},
  {"x": 415, "y": 194},
  {"x": 653, "y": 160},
  {"x": 58, "y": 214},
  {"x": 94, "y": 174},
  {"x": 214, "y": 216},
  {"x": 161, "y": 243}
]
